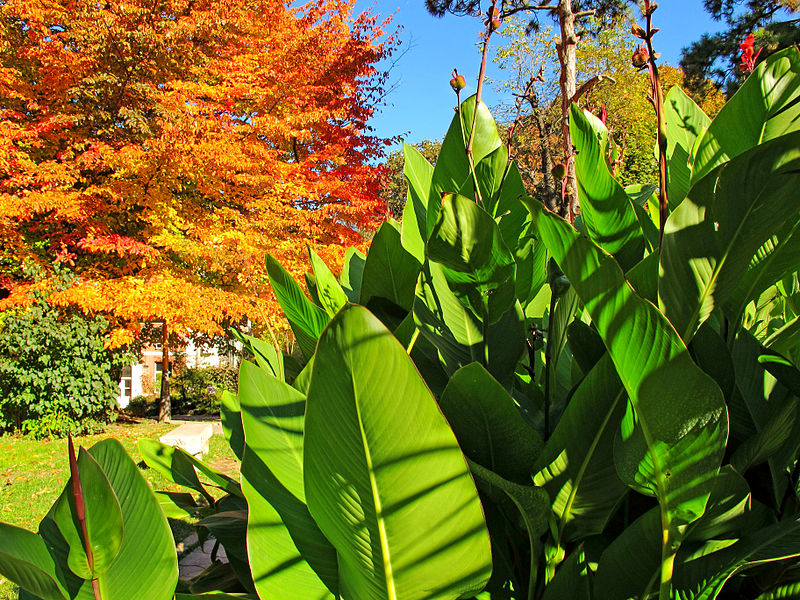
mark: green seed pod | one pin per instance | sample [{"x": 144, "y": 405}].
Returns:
[{"x": 559, "y": 171}]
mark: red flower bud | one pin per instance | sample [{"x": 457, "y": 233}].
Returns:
[
  {"x": 638, "y": 31},
  {"x": 495, "y": 24},
  {"x": 640, "y": 57}
]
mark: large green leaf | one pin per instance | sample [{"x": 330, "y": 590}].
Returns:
[
  {"x": 146, "y": 565},
  {"x": 266, "y": 355},
  {"x": 459, "y": 335},
  {"x": 762, "y": 397},
  {"x": 384, "y": 477},
  {"x": 576, "y": 466},
  {"x": 764, "y": 108},
  {"x": 703, "y": 578},
  {"x": 306, "y": 318},
  {"x": 390, "y": 271},
  {"x": 573, "y": 579},
  {"x": 710, "y": 239},
  {"x": 231, "y": 417},
  {"x": 352, "y": 272},
  {"x": 790, "y": 591},
  {"x": 563, "y": 313},
  {"x": 25, "y": 561},
  {"x": 531, "y": 259},
  {"x": 475, "y": 261},
  {"x": 451, "y": 175},
  {"x": 103, "y": 520},
  {"x": 180, "y": 467},
  {"x": 415, "y": 230},
  {"x": 685, "y": 122},
  {"x": 330, "y": 293},
  {"x": 506, "y": 205},
  {"x": 645, "y": 204},
  {"x": 489, "y": 427},
  {"x": 630, "y": 565},
  {"x": 285, "y": 546},
  {"x": 786, "y": 340},
  {"x": 229, "y": 528},
  {"x": 606, "y": 210},
  {"x": 668, "y": 450},
  {"x": 531, "y": 502},
  {"x": 774, "y": 260}
]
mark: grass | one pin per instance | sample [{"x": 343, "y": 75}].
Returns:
[{"x": 33, "y": 473}]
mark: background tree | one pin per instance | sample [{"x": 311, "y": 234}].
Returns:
[
  {"x": 160, "y": 149},
  {"x": 621, "y": 95},
  {"x": 56, "y": 374},
  {"x": 716, "y": 56},
  {"x": 569, "y": 15},
  {"x": 395, "y": 185}
]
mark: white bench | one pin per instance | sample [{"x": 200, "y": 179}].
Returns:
[{"x": 191, "y": 437}]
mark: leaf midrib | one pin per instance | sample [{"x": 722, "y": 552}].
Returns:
[{"x": 382, "y": 534}]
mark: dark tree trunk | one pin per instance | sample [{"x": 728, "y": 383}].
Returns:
[
  {"x": 545, "y": 152},
  {"x": 164, "y": 405}
]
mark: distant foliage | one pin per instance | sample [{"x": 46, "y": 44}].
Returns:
[
  {"x": 56, "y": 376},
  {"x": 395, "y": 186},
  {"x": 198, "y": 390},
  {"x": 717, "y": 56}
]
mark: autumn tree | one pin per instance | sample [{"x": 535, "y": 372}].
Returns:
[{"x": 158, "y": 149}]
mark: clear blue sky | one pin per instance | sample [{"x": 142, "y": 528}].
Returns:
[{"x": 421, "y": 104}]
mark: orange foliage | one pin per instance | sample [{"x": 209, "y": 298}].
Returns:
[{"x": 160, "y": 148}]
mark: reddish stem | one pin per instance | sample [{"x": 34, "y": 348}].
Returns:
[{"x": 80, "y": 511}]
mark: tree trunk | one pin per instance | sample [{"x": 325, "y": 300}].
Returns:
[
  {"x": 164, "y": 405},
  {"x": 568, "y": 85},
  {"x": 545, "y": 152}
]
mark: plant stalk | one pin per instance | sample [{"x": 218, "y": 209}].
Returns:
[
  {"x": 547, "y": 361},
  {"x": 657, "y": 99}
]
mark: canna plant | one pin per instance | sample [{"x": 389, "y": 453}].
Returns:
[
  {"x": 628, "y": 413},
  {"x": 495, "y": 404}
]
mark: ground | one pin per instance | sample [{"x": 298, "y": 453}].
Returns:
[{"x": 33, "y": 474}]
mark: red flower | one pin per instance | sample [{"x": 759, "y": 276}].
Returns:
[{"x": 749, "y": 55}]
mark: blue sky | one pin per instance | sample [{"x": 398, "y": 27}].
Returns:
[{"x": 421, "y": 104}]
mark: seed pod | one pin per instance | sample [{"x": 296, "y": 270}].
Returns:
[
  {"x": 638, "y": 31},
  {"x": 458, "y": 83},
  {"x": 559, "y": 171},
  {"x": 640, "y": 57}
]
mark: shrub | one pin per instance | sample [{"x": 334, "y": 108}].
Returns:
[
  {"x": 56, "y": 376},
  {"x": 198, "y": 390}
]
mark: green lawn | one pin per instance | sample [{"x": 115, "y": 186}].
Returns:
[{"x": 33, "y": 474}]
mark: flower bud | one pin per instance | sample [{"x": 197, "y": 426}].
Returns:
[
  {"x": 458, "y": 83},
  {"x": 495, "y": 24},
  {"x": 640, "y": 57},
  {"x": 493, "y": 12},
  {"x": 559, "y": 171},
  {"x": 651, "y": 9},
  {"x": 638, "y": 31}
]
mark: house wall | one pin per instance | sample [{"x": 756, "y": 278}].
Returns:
[{"x": 143, "y": 376}]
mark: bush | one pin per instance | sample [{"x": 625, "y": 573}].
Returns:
[
  {"x": 56, "y": 376},
  {"x": 198, "y": 390}
]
